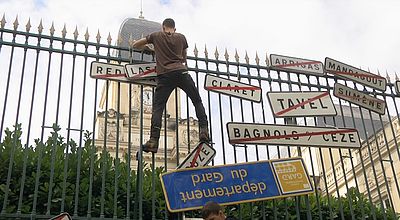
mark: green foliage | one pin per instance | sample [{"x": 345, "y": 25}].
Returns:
[{"x": 82, "y": 177}]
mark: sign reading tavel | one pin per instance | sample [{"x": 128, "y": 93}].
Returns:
[
  {"x": 357, "y": 75},
  {"x": 297, "y": 104},
  {"x": 188, "y": 189},
  {"x": 359, "y": 98},
  {"x": 245, "y": 133},
  {"x": 296, "y": 65},
  {"x": 232, "y": 88}
]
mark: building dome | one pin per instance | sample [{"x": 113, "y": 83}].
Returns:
[{"x": 138, "y": 28}]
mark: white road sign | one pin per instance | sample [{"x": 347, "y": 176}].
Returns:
[
  {"x": 137, "y": 71},
  {"x": 357, "y": 75},
  {"x": 296, "y": 65},
  {"x": 199, "y": 156},
  {"x": 232, "y": 88},
  {"x": 115, "y": 72},
  {"x": 359, "y": 98},
  {"x": 244, "y": 133},
  {"x": 298, "y": 104},
  {"x": 397, "y": 84}
]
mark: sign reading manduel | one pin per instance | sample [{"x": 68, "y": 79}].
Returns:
[{"x": 246, "y": 133}]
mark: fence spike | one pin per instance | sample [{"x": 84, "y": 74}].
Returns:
[
  {"x": 16, "y": 23},
  {"x": 266, "y": 59},
  {"x": 378, "y": 72},
  {"x": 130, "y": 40},
  {"x": 216, "y": 54},
  {"x": 387, "y": 76},
  {"x": 119, "y": 40},
  {"x": 64, "y": 31},
  {"x": 109, "y": 39},
  {"x": 226, "y": 55},
  {"x": 52, "y": 30},
  {"x": 205, "y": 51},
  {"x": 236, "y": 56},
  {"x": 257, "y": 59},
  {"x": 40, "y": 27},
  {"x": 396, "y": 76},
  {"x": 247, "y": 58},
  {"x": 87, "y": 35},
  {"x": 98, "y": 37},
  {"x": 3, "y": 21},
  {"x": 76, "y": 34},
  {"x": 28, "y": 25},
  {"x": 195, "y": 51}
]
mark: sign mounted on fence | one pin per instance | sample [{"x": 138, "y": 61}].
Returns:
[
  {"x": 357, "y": 75},
  {"x": 139, "y": 71},
  {"x": 198, "y": 157},
  {"x": 245, "y": 133},
  {"x": 297, "y": 65},
  {"x": 359, "y": 98},
  {"x": 115, "y": 72},
  {"x": 189, "y": 189},
  {"x": 299, "y": 104},
  {"x": 232, "y": 88}
]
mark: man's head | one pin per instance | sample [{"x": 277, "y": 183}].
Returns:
[
  {"x": 168, "y": 25},
  {"x": 212, "y": 211}
]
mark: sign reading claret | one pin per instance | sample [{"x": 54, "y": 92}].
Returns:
[{"x": 188, "y": 189}]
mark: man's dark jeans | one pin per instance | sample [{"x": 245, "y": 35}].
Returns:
[{"x": 166, "y": 83}]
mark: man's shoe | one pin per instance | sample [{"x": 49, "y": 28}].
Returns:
[
  {"x": 203, "y": 135},
  {"x": 151, "y": 145}
]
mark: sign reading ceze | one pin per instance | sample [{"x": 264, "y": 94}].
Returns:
[
  {"x": 232, "y": 88},
  {"x": 188, "y": 189},
  {"x": 137, "y": 71},
  {"x": 359, "y": 98},
  {"x": 115, "y": 72},
  {"x": 200, "y": 156},
  {"x": 357, "y": 75},
  {"x": 296, "y": 65},
  {"x": 244, "y": 133},
  {"x": 295, "y": 104}
]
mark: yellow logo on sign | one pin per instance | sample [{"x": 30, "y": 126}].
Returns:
[{"x": 291, "y": 176}]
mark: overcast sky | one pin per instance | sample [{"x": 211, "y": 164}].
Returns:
[{"x": 358, "y": 32}]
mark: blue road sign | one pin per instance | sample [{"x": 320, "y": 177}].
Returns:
[{"x": 188, "y": 189}]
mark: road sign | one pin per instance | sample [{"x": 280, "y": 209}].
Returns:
[
  {"x": 138, "y": 71},
  {"x": 298, "y": 104},
  {"x": 115, "y": 72},
  {"x": 189, "y": 189},
  {"x": 397, "y": 84},
  {"x": 359, "y": 98},
  {"x": 296, "y": 65},
  {"x": 245, "y": 133},
  {"x": 357, "y": 75},
  {"x": 199, "y": 156},
  {"x": 232, "y": 88}
]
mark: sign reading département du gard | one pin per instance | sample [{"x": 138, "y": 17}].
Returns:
[
  {"x": 357, "y": 75},
  {"x": 143, "y": 70},
  {"x": 245, "y": 133},
  {"x": 99, "y": 70},
  {"x": 189, "y": 189},
  {"x": 232, "y": 88},
  {"x": 297, "y": 104},
  {"x": 359, "y": 98},
  {"x": 297, "y": 65}
]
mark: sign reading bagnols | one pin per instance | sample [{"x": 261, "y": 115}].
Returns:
[
  {"x": 357, "y": 75},
  {"x": 359, "y": 98},
  {"x": 296, "y": 65},
  {"x": 297, "y": 104},
  {"x": 232, "y": 88},
  {"x": 249, "y": 133}
]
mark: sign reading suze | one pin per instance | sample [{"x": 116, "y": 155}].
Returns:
[
  {"x": 359, "y": 98},
  {"x": 296, "y": 65},
  {"x": 188, "y": 189},
  {"x": 296, "y": 104},
  {"x": 232, "y": 88},
  {"x": 357, "y": 75},
  {"x": 199, "y": 156},
  {"x": 245, "y": 133}
]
